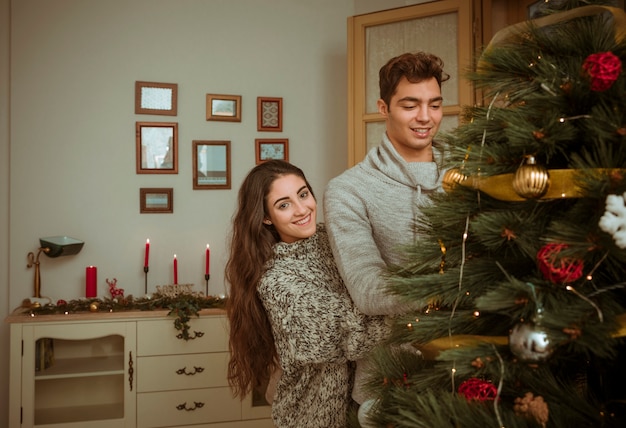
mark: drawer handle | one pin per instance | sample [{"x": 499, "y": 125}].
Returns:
[
  {"x": 196, "y": 405},
  {"x": 185, "y": 372},
  {"x": 196, "y": 334}
]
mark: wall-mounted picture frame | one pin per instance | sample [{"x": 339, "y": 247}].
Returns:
[
  {"x": 156, "y": 147},
  {"x": 156, "y": 98},
  {"x": 269, "y": 112},
  {"x": 211, "y": 165},
  {"x": 156, "y": 200},
  {"x": 271, "y": 148},
  {"x": 226, "y": 108}
]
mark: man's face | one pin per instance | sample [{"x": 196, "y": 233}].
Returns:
[{"x": 413, "y": 117}]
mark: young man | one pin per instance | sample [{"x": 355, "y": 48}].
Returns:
[{"x": 371, "y": 208}]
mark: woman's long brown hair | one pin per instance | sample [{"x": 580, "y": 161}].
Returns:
[{"x": 253, "y": 355}]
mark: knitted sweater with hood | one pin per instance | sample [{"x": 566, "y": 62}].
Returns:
[{"x": 370, "y": 211}]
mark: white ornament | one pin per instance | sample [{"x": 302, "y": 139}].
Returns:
[{"x": 614, "y": 219}]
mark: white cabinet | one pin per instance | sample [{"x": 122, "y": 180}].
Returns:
[
  {"x": 74, "y": 374},
  {"x": 124, "y": 370}
]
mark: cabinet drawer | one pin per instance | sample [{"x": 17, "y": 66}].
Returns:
[
  {"x": 176, "y": 408},
  {"x": 160, "y": 337},
  {"x": 169, "y": 372}
]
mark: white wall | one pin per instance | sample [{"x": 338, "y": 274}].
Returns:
[
  {"x": 67, "y": 143},
  {"x": 74, "y": 65}
]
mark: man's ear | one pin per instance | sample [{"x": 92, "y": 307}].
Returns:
[{"x": 382, "y": 107}]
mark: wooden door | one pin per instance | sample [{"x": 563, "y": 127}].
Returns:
[{"x": 443, "y": 27}]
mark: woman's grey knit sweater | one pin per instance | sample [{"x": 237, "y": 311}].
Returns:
[{"x": 317, "y": 330}]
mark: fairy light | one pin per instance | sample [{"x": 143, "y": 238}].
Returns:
[
  {"x": 589, "y": 276},
  {"x": 580, "y": 116},
  {"x": 586, "y": 299}
]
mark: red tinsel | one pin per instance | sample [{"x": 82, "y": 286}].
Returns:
[
  {"x": 559, "y": 270},
  {"x": 478, "y": 389},
  {"x": 603, "y": 69}
]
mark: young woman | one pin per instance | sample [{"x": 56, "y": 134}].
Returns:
[{"x": 288, "y": 308}]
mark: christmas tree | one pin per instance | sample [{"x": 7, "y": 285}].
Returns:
[{"x": 521, "y": 264}]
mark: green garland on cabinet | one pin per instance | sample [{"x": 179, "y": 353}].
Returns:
[{"x": 182, "y": 306}]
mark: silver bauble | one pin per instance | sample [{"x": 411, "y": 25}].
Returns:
[{"x": 529, "y": 342}]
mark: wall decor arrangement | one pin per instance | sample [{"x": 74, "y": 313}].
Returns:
[
  {"x": 156, "y": 200},
  {"x": 211, "y": 165},
  {"x": 157, "y": 147},
  {"x": 267, "y": 148},
  {"x": 226, "y": 108},
  {"x": 156, "y": 98},
  {"x": 269, "y": 114}
]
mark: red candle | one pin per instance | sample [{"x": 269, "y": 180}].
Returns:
[
  {"x": 91, "y": 274},
  {"x": 175, "y": 270},
  {"x": 145, "y": 262},
  {"x": 207, "y": 270}
]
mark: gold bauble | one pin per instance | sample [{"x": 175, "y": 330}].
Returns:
[
  {"x": 93, "y": 307},
  {"x": 531, "y": 181},
  {"x": 451, "y": 178}
]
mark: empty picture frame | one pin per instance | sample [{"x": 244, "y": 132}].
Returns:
[
  {"x": 211, "y": 165},
  {"x": 156, "y": 200},
  {"x": 269, "y": 113},
  {"x": 225, "y": 108},
  {"x": 156, "y": 147},
  {"x": 156, "y": 98},
  {"x": 267, "y": 149}
]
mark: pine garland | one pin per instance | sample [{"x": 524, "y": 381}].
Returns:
[{"x": 182, "y": 305}]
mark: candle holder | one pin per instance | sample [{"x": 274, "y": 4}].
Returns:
[
  {"x": 207, "y": 276},
  {"x": 145, "y": 271}
]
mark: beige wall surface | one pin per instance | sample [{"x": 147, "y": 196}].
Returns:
[
  {"x": 74, "y": 64},
  {"x": 67, "y": 128}
]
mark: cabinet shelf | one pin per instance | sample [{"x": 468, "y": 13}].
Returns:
[
  {"x": 82, "y": 367},
  {"x": 65, "y": 415}
]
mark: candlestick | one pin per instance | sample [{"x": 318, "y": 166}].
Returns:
[
  {"x": 175, "y": 270},
  {"x": 91, "y": 283},
  {"x": 147, "y": 255},
  {"x": 206, "y": 278},
  {"x": 145, "y": 279},
  {"x": 207, "y": 264}
]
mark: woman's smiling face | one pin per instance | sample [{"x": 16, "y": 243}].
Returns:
[{"x": 291, "y": 208}]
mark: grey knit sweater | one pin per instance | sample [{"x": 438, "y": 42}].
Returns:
[
  {"x": 370, "y": 211},
  {"x": 317, "y": 330}
]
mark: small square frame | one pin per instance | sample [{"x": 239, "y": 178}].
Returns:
[
  {"x": 216, "y": 156},
  {"x": 269, "y": 112},
  {"x": 271, "y": 148},
  {"x": 156, "y": 147},
  {"x": 156, "y": 98},
  {"x": 226, "y": 108},
  {"x": 156, "y": 200}
]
